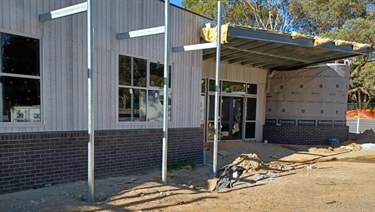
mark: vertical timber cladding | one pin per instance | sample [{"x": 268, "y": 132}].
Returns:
[
  {"x": 243, "y": 74},
  {"x": 307, "y": 106},
  {"x": 64, "y": 63},
  {"x": 60, "y": 139}
]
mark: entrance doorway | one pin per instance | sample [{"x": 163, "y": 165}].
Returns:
[
  {"x": 231, "y": 118},
  {"x": 237, "y": 110}
]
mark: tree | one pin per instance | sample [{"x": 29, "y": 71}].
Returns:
[
  {"x": 264, "y": 14},
  {"x": 359, "y": 30},
  {"x": 350, "y": 20},
  {"x": 315, "y": 17},
  {"x": 362, "y": 86}
]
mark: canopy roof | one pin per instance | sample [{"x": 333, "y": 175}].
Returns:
[{"x": 278, "y": 51}]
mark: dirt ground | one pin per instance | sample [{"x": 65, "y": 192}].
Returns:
[{"x": 277, "y": 178}]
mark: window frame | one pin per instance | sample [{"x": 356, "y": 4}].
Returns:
[
  {"x": 147, "y": 88},
  {"x": 211, "y": 94},
  {"x": 23, "y": 76}
]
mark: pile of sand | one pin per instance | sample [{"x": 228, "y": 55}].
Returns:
[
  {"x": 320, "y": 150},
  {"x": 346, "y": 146},
  {"x": 351, "y": 145},
  {"x": 250, "y": 162}
]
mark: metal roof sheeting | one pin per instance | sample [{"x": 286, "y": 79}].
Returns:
[{"x": 279, "y": 51}]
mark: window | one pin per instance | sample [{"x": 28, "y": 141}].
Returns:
[
  {"x": 19, "y": 79},
  {"x": 252, "y": 89},
  {"x": 203, "y": 107},
  {"x": 141, "y": 93},
  {"x": 233, "y": 87}
]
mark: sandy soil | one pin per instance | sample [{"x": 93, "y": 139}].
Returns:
[{"x": 277, "y": 178}]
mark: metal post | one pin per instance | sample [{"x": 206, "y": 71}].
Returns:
[
  {"x": 90, "y": 32},
  {"x": 217, "y": 82},
  {"x": 1, "y": 83},
  {"x": 358, "y": 124},
  {"x": 166, "y": 95},
  {"x": 131, "y": 90}
]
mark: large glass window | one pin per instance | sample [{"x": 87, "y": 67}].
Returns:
[
  {"x": 19, "y": 79},
  {"x": 157, "y": 75},
  {"x": 141, "y": 94}
]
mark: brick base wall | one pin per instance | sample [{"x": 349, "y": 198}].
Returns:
[
  {"x": 31, "y": 160},
  {"x": 304, "y": 135}
]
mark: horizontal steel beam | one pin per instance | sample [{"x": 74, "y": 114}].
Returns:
[
  {"x": 66, "y": 11},
  {"x": 268, "y": 36},
  {"x": 141, "y": 32},
  {"x": 194, "y": 47}
]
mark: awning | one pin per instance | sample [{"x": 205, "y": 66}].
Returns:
[{"x": 279, "y": 51}]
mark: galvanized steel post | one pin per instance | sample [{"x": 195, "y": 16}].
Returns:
[
  {"x": 90, "y": 107},
  {"x": 217, "y": 88},
  {"x": 166, "y": 95}
]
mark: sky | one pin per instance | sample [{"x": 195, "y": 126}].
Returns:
[{"x": 176, "y": 2}]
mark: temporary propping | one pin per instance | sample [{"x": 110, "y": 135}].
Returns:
[
  {"x": 165, "y": 30},
  {"x": 72, "y": 10},
  {"x": 216, "y": 38},
  {"x": 88, "y": 6}
]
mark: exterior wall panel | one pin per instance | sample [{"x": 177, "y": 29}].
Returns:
[
  {"x": 64, "y": 59},
  {"x": 233, "y": 72}
]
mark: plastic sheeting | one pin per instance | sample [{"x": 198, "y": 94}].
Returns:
[
  {"x": 368, "y": 147},
  {"x": 315, "y": 95}
]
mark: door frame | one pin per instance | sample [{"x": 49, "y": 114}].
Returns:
[{"x": 207, "y": 93}]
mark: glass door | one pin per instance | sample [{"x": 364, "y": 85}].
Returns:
[{"x": 231, "y": 118}]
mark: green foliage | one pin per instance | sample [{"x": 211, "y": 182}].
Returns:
[
  {"x": 358, "y": 30},
  {"x": 180, "y": 164},
  {"x": 362, "y": 86},
  {"x": 320, "y": 16},
  {"x": 263, "y": 14},
  {"x": 203, "y": 7}
]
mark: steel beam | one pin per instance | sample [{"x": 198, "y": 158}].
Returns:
[
  {"x": 66, "y": 11},
  {"x": 194, "y": 47},
  {"x": 141, "y": 33}
]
